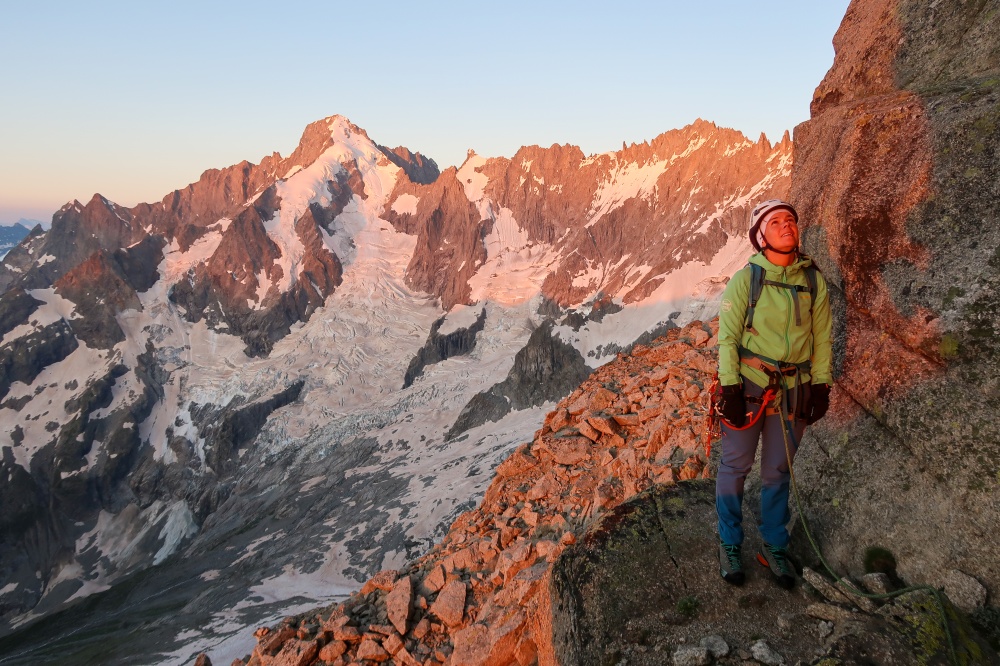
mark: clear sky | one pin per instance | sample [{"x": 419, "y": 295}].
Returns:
[{"x": 135, "y": 99}]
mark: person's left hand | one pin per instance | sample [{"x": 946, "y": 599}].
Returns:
[{"x": 819, "y": 402}]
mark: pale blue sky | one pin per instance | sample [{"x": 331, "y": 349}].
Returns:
[{"x": 135, "y": 99}]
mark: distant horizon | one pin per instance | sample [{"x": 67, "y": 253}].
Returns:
[
  {"x": 135, "y": 118},
  {"x": 25, "y": 222}
]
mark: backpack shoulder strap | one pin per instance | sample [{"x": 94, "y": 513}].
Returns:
[
  {"x": 756, "y": 285},
  {"x": 812, "y": 277}
]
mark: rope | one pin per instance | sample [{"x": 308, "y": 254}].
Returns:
[
  {"x": 786, "y": 432},
  {"x": 713, "y": 429},
  {"x": 768, "y": 396}
]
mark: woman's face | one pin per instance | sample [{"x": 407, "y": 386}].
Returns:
[{"x": 781, "y": 232}]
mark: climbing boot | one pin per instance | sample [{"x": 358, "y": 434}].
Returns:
[
  {"x": 731, "y": 564},
  {"x": 776, "y": 559}
]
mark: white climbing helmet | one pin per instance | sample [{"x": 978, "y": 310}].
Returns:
[{"x": 760, "y": 212}]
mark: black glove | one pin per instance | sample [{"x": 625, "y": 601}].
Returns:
[
  {"x": 819, "y": 402},
  {"x": 732, "y": 406}
]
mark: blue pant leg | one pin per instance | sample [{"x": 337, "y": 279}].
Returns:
[
  {"x": 775, "y": 477},
  {"x": 738, "y": 449}
]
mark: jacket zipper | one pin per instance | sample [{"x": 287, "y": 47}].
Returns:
[{"x": 788, "y": 316}]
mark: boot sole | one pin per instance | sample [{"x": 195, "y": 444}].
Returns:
[{"x": 736, "y": 578}]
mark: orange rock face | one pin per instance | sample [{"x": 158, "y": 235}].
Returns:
[
  {"x": 398, "y": 603},
  {"x": 895, "y": 179},
  {"x": 862, "y": 164}
]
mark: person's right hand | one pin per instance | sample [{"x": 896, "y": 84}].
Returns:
[{"x": 732, "y": 406}]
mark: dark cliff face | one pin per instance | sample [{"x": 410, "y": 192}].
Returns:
[
  {"x": 418, "y": 168},
  {"x": 105, "y": 285},
  {"x": 440, "y": 347},
  {"x": 897, "y": 177},
  {"x": 546, "y": 368}
]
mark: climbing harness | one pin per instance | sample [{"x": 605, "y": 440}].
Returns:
[
  {"x": 714, "y": 429},
  {"x": 786, "y": 433}
]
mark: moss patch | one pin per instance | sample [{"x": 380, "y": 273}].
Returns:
[{"x": 917, "y": 615}]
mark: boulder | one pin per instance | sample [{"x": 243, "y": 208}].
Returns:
[
  {"x": 332, "y": 650},
  {"x": 398, "y": 603},
  {"x": 296, "y": 653},
  {"x": 571, "y": 451},
  {"x": 765, "y": 654},
  {"x": 964, "y": 591},
  {"x": 692, "y": 655},
  {"x": 371, "y": 650},
  {"x": 449, "y": 606},
  {"x": 383, "y": 580}
]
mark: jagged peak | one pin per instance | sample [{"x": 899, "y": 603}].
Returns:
[
  {"x": 418, "y": 168},
  {"x": 470, "y": 156},
  {"x": 321, "y": 134},
  {"x": 75, "y": 203},
  {"x": 329, "y": 130},
  {"x": 100, "y": 199},
  {"x": 701, "y": 123}
]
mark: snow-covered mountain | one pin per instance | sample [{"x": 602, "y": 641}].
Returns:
[
  {"x": 289, "y": 375},
  {"x": 12, "y": 235}
]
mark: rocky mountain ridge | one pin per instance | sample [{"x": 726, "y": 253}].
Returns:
[
  {"x": 175, "y": 370},
  {"x": 478, "y": 596}
]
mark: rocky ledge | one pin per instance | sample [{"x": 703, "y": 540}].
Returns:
[{"x": 641, "y": 587}]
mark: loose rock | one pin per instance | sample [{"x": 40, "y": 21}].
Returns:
[
  {"x": 398, "y": 603},
  {"x": 825, "y": 629},
  {"x": 296, "y": 653},
  {"x": 450, "y": 604},
  {"x": 383, "y": 580},
  {"x": 716, "y": 645},
  {"x": 763, "y": 653},
  {"x": 824, "y": 587},
  {"x": 692, "y": 655},
  {"x": 369, "y": 649},
  {"x": 964, "y": 591},
  {"x": 827, "y": 612},
  {"x": 876, "y": 583},
  {"x": 332, "y": 650}
]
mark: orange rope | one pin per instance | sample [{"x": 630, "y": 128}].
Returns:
[
  {"x": 765, "y": 400},
  {"x": 713, "y": 428}
]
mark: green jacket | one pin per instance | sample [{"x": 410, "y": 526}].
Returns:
[{"x": 774, "y": 320}]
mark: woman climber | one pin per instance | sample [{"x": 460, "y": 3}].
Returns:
[{"x": 774, "y": 357}]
